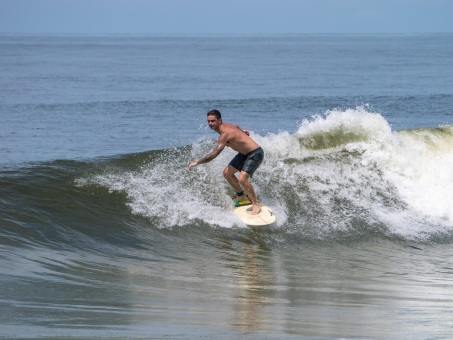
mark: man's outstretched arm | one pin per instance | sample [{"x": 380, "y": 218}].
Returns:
[{"x": 209, "y": 157}]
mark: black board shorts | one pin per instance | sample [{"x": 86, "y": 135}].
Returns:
[{"x": 249, "y": 162}]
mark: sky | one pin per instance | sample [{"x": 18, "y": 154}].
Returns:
[{"x": 225, "y": 16}]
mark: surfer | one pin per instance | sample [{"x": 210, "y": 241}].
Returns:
[{"x": 249, "y": 157}]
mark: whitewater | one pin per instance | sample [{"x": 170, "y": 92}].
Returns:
[{"x": 340, "y": 172}]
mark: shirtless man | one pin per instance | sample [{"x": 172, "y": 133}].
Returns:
[{"x": 249, "y": 157}]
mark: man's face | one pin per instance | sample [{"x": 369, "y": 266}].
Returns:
[{"x": 214, "y": 122}]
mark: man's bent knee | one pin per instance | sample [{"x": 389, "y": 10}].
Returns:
[
  {"x": 229, "y": 171},
  {"x": 243, "y": 178}
]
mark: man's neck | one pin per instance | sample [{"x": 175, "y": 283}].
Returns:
[{"x": 219, "y": 130}]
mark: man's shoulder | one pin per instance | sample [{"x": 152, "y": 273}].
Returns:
[
  {"x": 230, "y": 127},
  {"x": 226, "y": 128}
]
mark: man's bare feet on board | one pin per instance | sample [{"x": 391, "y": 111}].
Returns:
[{"x": 256, "y": 209}]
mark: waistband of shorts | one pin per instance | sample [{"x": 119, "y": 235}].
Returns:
[{"x": 258, "y": 149}]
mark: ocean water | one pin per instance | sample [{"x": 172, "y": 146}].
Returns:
[{"x": 104, "y": 233}]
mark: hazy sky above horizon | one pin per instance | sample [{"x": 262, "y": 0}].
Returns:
[{"x": 226, "y": 17}]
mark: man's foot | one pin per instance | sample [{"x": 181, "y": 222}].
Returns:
[
  {"x": 256, "y": 209},
  {"x": 239, "y": 197},
  {"x": 242, "y": 203}
]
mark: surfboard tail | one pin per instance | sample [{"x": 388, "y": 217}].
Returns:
[{"x": 265, "y": 217}]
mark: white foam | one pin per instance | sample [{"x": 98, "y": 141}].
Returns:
[
  {"x": 421, "y": 167},
  {"x": 176, "y": 198},
  {"x": 335, "y": 171},
  {"x": 402, "y": 180},
  {"x": 356, "y": 121}
]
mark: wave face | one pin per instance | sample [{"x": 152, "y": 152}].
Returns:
[{"x": 344, "y": 175}]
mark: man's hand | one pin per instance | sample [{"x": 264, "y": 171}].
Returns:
[{"x": 191, "y": 165}]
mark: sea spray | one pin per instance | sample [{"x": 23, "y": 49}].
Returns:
[
  {"x": 342, "y": 174},
  {"x": 421, "y": 167}
]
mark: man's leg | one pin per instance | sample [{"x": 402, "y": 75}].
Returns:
[
  {"x": 229, "y": 174},
  {"x": 244, "y": 181}
]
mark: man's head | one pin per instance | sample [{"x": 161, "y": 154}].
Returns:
[
  {"x": 215, "y": 113},
  {"x": 214, "y": 119}
]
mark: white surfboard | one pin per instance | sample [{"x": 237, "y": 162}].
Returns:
[{"x": 265, "y": 217}]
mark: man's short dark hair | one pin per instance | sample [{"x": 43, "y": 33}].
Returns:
[{"x": 215, "y": 113}]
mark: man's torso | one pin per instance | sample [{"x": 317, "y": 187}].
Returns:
[{"x": 236, "y": 139}]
